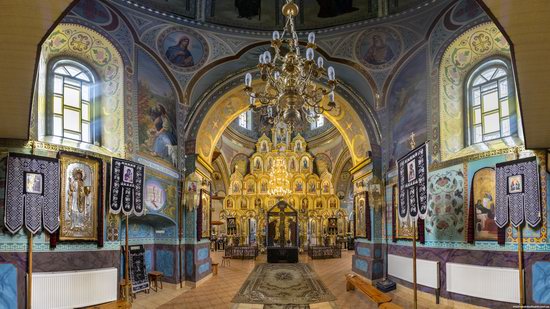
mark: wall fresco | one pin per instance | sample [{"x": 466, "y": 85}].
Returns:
[
  {"x": 156, "y": 112},
  {"x": 408, "y": 105},
  {"x": 446, "y": 211}
]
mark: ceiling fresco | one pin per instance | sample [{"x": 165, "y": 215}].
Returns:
[
  {"x": 266, "y": 14},
  {"x": 205, "y": 59}
]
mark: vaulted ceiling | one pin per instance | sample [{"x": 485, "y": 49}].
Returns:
[{"x": 23, "y": 24}]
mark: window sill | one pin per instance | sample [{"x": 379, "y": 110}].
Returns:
[
  {"x": 497, "y": 144},
  {"x": 78, "y": 145}
]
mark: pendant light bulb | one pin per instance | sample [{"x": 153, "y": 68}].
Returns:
[{"x": 248, "y": 79}]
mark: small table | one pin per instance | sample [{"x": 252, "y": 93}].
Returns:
[
  {"x": 155, "y": 276},
  {"x": 214, "y": 269}
]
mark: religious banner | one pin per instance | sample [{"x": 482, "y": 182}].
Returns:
[
  {"x": 32, "y": 193},
  {"x": 126, "y": 187},
  {"x": 138, "y": 271},
  {"x": 518, "y": 193},
  {"x": 412, "y": 178},
  {"x": 81, "y": 208}
]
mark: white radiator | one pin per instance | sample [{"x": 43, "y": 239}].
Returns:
[
  {"x": 495, "y": 283},
  {"x": 427, "y": 272},
  {"x": 70, "y": 289}
]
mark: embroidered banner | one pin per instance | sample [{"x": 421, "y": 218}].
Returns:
[
  {"x": 138, "y": 272},
  {"x": 518, "y": 193},
  {"x": 126, "y": 187},
  {"x": 413, "y": 175},
  {"x": 32, "y": 193}
]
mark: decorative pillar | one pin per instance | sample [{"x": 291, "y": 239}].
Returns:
[
  {"x": 368, "y": 259},
  {"x": 198, "y": 263}
]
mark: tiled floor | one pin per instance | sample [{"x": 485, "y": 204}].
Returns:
[{"x": 218, "y": 291}]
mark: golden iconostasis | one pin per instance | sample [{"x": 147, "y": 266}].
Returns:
[{"x": 310, "y": 193}]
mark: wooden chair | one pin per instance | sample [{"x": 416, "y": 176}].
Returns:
[
  {"x": 155, "y": 276},
  {"x": 226, "y": 260}
]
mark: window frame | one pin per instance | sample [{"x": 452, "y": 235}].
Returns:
[
  {"x": 248, "y": 120},
  {"x": 93, "y": 103},
  {"x": 476, "y": 71},
  {"x": 315, "y": 125}
]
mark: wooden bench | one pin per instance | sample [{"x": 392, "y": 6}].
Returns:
[
  {"x": 389, "y": 306},
  {"x": 353, "y": 281}
]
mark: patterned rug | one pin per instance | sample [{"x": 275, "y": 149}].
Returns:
[{"x": 280, "y": 285}]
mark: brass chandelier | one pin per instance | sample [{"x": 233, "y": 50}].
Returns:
[
  {"x": 290, "y": 94},
  {"x": 279, "y": 179}
]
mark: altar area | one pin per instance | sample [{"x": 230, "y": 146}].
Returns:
[{"x": 282, "y": 234}]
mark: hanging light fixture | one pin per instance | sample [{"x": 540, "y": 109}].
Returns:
[
  {"x": 279, "y": 179},
  {"x": 290, "y": 94}
]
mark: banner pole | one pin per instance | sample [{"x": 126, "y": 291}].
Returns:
[
  {"x": 414, "y": 263},
  {"x": 127, "y": 258},
  {"x": 520, "y": 266},
  {"x": 520, "y": 252},
  {"x": 29, "y": 279}
]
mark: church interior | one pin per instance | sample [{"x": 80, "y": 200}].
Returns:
[{"x": 274, "y": 154}]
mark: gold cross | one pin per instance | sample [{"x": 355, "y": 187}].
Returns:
[{"x": 412, "y": 143}]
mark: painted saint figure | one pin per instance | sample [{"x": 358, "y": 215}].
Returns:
[
  {"x": 179, "y": 54},
  {"x": 304, "y": 205},
  {"x": 312, "y": 187},
  {"x": 163, "y": 133},
  {"x": 378, "y": 52},
  {"x": 485, "y": 211},
  {"x": 78, "y": 199},
  {"x": 361, "y": 215}
]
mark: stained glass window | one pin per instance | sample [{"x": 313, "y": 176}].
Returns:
[
  {"x": 72, "y": 101},
  {"x": 490, "y": 113}
]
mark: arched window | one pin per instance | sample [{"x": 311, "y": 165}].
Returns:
[
  {"x": 245, "y": 120},
  {"x": 319, "y": 122},
  {"x": 71, "y": 102},
  {"x": 491, "y": 102}
]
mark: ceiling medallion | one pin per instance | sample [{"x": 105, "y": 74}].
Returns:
[{"x": 291, "y": 93}]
